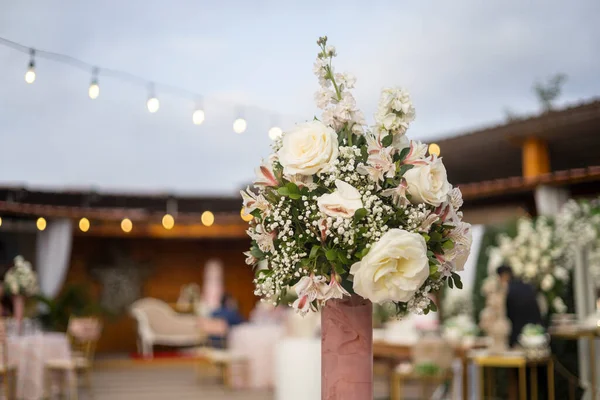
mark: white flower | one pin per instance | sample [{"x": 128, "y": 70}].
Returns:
[
  {"x": 335, "y": 290},
  {"x": 561, "y": 274},
  {"x": 250, "y": 259},
  {"x": 263, "y": 239},
  {"x": 398, "y": 194},
  {"x": 559, "y": 305},
  {"x": 345, "y": 79},
  {"x": 265, "y": 176},
  {"x": 547, "y": 283},
  {"x": 428, "y": 183},
  {"x": 323, "y": 97},
  {"x": 302, "y": 181},
  {"x": 308, "y": 148},
  {"x": 463, "y": 239},
  {"x": 343, "y": 202},
  {"x": 253, "y": 202},
  {"x": 417, "y": 153},
  {"x": 394, "y": 269}
]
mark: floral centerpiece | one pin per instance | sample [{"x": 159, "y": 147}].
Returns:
[
  {"x": 578, "y": 226},
  {"x": 458, "y": 321},
  {"x": 348, "y": 214},
  {"x": 534, "y": 340},
  {"x": 20, "y": 281},
  {"x": 538, "y": 256}
]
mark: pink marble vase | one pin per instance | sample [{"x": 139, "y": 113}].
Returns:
[{"x": 347, "y": 349}]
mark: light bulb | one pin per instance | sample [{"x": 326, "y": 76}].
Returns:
[
  {"x": 434, "y": 148},
  {"x": 84, "y": 224},
  {"x": 246, "y": 217},
  {"x": 0, "y": 221},
  {"x": 30, "y": 74},
  {"x": 198, "y": 117},
  {"x": 239, "y": 125},
  {"x": 275, "y": 132},
  {"x": 207, "y": 218},
  {"x": 126, "y": 225},
  {"x": 41, "y": 223},
  {"x": 94, "y": 90},
  {"x": 153, "y": 104},
  {"x": 168, "y": 221}
]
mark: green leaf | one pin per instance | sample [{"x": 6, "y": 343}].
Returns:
[
  {"x": 436, "y": 236},
  {"x": 457, "y": 280},
  {"x": 404, "y": 153},
  {"x": 405, "y": 168},
  {"x": 360, "y": 214},
  {"x": 284, "y": 191},
  {"x": 256, "y": 252},
  {"x": 451, "y": 283},
  {"x": 292, "y": 187},
  {"x": 432, "y": 306},
  {"x": 387, "y": 141},
  {"x": 448, "y": 245},
  {"x": 331, "y": 254},
  {"x": 426, "y": 237},
  {"x": 295, "y": 196},
  {"x": 339, "y": 269},
  {"x": 314, "y": 252}
]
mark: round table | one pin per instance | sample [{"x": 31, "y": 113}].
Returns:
[{"x": 29, "y": 354}]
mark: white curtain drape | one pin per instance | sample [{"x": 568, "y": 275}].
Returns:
[{"x": 53, "y": 253}]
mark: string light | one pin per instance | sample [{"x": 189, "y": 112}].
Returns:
[
  {"x": 30, "y": 74},
  {"x": 246, "y": 217},
  {"x": 239, "y": 125},
  {"x": 94, "y": 89},
  {"x": 41, "y": 223},
  {"x": 168, "y": 222},
  {"x": 0, "y": 221},
  {"x": 275, "y": 132},
  {"x": 207, "y": 218},
  {"x": 434, "y": 148},
  {"x": 84, "y": 224},
  {"x": 153, "y": 104},
  {"x": 126, "y": 225}
]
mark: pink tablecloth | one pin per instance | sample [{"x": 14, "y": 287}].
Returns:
[
  {"x": 257, "y": 343},
  {"x": 29, "y": 354}
]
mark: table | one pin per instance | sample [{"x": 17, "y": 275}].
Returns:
[
  {"x": 510, "y": 359},
  {"x": 29, "y": 354},
  {"x": 582, "y": 334},
  {"x": 256, "y": 343}
]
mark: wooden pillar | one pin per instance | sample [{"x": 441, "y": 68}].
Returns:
[{"x": 535, "y": 157}]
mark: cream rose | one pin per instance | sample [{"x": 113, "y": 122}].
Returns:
[
  {"x": 428, "y": 183},
  {"x": 341, "y": 203},
  {"x": 308, "y": 149},
  {"x": 394, "y": 269}
]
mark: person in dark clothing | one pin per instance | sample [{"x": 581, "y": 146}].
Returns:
[
  {"x": 228, "y": 312},
  {"x": 521, "y": 303}
]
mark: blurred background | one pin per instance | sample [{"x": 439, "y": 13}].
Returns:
[{"x": 128, "y": 128}]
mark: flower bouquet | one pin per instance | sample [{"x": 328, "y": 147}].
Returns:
[
  {"x": 20, "y": 282},
  {"x": 538, "y": 256},
  {"x": 534, "y": 340},
  {"x": 347, "y": 215}
]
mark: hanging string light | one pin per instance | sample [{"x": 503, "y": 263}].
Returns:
[
  {"x": 126, "y": 225},
  {"x": 434, "y": 148},
  {"x": 275, "y": 132},
  {"x": 84, "y": 224},
  {"x": 153, "y": 104},
  {"x": 0, "y": 221},
  {"x": 207, "y": 218},
  {"x": 246, "y": 217},
  {"x": 94, "y": 89},
  {"x": 41, "y": 223},
  {"x": 30, "y": 74},
  {"x": 239, "y": 125}
]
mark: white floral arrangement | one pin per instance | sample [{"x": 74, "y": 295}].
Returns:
[
  {"x": 578, "y": 226},
  {"x": 341, "y": 208},
  {"x": 538, "y": 256},
  {"x": 21, "y": 280}
]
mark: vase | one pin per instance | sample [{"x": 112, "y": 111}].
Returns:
[
  {"x": 347, "y": 349},
  {"x": 18, "y": 310}
]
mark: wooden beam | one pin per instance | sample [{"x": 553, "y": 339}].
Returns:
[{"x": 535, "y": 157}]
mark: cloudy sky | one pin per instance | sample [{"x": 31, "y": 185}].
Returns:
[{"x": 464, "y": 62}]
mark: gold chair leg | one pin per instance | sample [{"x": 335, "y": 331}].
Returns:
[
  {"x": 534, "y": 383},
  {"x": 551, "y": 379},
  {"x": 523, "y": 382}
]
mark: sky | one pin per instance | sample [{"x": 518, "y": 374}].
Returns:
[{"x": 464, "y": 62}]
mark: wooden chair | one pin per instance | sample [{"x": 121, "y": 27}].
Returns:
[
  {"x": 217, "y": 354},
  {"x": 7, "y": 371},
  {"x": 83, "y": 334}
]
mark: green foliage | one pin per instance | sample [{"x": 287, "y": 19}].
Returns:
[{"x": 74, "y": 300}]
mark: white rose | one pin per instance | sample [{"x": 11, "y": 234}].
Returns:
[
  {"x": 428, "y": 183},
  {"x": 341, "y": 203},
  {"x": 561, "y": 274},
  {"x": 394, "y": 269},
  {"x": 308, "y": 149},
  {"x": 547, "y": 283}
]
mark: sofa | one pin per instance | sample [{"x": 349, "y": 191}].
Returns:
[{"x": 159, "y": 324}]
